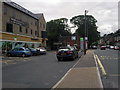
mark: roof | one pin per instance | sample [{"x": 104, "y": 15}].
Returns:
[
  {"x": 38, "y": 15},
  {"x": 15, "y": 5}
]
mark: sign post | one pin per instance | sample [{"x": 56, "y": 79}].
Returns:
[{"x": 81, "y": 44}]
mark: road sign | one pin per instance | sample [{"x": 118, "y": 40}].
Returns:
[
  {"x": 86, "y": 38},
  {"x": 81, "y": 39}
]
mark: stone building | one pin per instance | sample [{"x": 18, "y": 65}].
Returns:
[{"x": 20, "y": 27}]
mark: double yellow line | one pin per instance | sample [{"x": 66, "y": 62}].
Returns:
[{"x": 101, "y": 66}]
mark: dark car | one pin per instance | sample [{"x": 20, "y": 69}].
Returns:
[
  {"x": 67, "y": 53},
  {"x": 34, "y": 51},
  {"x": 22, "y": 51}
]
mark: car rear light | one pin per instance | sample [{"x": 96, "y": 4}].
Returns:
[
  {"x": 69, "y": 52},
  {"x": 57, "y": 52}
]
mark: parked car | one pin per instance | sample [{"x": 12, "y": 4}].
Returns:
[
  {"x": 103, "y": 47},
  {"x": 94, "y": 47},
  {"x": 111, "y": 47},
  {"x": 22, "y": 51},
  {"x": 116, "y": 48},
  {"x": 67, "y": 53},
  {"x": 42, "y": 50},
  {"x": 34, "y": 51}
]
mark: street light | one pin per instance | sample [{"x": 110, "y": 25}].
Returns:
[{"x": 85, "y": 37}]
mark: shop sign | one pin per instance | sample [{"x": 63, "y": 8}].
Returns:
[{"x": 18, "y": 22}]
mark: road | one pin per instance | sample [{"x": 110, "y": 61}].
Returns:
[
  {"x": 110, "y": 60},
  {"x": 42, "y": 71}
]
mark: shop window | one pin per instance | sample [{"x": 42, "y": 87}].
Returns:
[{"x": 9, "y": 27}]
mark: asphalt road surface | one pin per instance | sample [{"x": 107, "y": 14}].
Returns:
[
  {"x": 42, "y": 71},
  {"x": 110, "y": 60}
]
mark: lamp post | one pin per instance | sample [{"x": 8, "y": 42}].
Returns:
[{"x": 85, "y": 36}]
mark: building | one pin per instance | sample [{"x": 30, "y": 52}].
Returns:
[
  {"x": 20, "y": 27},
  {"x": 73, "y": 40},
  {"x": 117, "y": 39}
]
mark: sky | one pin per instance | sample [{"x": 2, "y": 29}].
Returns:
[{"x": 104, "y": 11}]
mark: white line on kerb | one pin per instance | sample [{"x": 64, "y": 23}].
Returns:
[
  {"x": 98, "y": 72},
  {"x": 55, "y": 86}
]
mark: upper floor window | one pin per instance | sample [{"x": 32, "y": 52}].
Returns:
[
  {"x": 26, "y": 30},
  {"x": 36, "y": 33},
  {"x": 20, "y": 28},
  {"x": 43, "y": 25},
  {"x": 20, "y": 16},
  {"x": 31, "y": 21},
  {"x": 36, "y": 23},
  {"x": 31, "y": 31},
  {"x": 40, "y": 24},
  {"x": 13, "y": 13},
  {"x": 26, "y": 18},
  {"x": 5, "y": 10}
]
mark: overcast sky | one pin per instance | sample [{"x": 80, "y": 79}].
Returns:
[{"x": 105, "y": 12}]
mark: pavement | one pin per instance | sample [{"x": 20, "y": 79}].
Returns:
[{"x": 84, "y": 74}]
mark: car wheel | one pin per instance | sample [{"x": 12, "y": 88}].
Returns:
[
  {"x": 23, "y": 55},
  {"x": 8, "y": 54}
]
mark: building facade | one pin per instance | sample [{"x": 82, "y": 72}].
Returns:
[{"x": 20, "y": 27}]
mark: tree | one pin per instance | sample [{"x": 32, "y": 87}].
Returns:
[
  {"x": 79, "y": 22},
  {"x": 56, "y": 29}
]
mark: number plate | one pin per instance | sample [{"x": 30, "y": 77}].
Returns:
[{"x": 63, "y": 54}]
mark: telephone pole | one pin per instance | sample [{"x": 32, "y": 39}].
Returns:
[{"x": 85, "y": 35}]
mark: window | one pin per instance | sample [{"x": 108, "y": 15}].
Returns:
[
  {"x": 16, "y": 49},
  {"x": 40, "y": 24},
  {"x": 44, "y": 34},
  {"x": 5, "y": 10},
  {"x": 9, "y": 27},
  {"x": 13, "y": 13},
  {"x": 20, "y": 16},
  {"x": 36, "y": 23},
  {"x": 36, "y": 33},
  {"x": 31, "y": 31},
  {"x": 43, "y": 25},
  {"x": 21, "y": 49},
  {"x": 31, "y": 21},
  {"x": 20, "y": 28},
  {"x": 26, "y": 30}
]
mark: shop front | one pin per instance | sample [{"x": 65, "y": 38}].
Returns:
[{"x": 6, "y": 45}]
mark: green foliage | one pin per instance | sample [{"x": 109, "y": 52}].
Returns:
[
  {"x": 93, "y": 34},
  {"x": 56, "y": 29}
]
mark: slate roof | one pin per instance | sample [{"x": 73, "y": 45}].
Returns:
[{"x": 15, "y": 5}]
